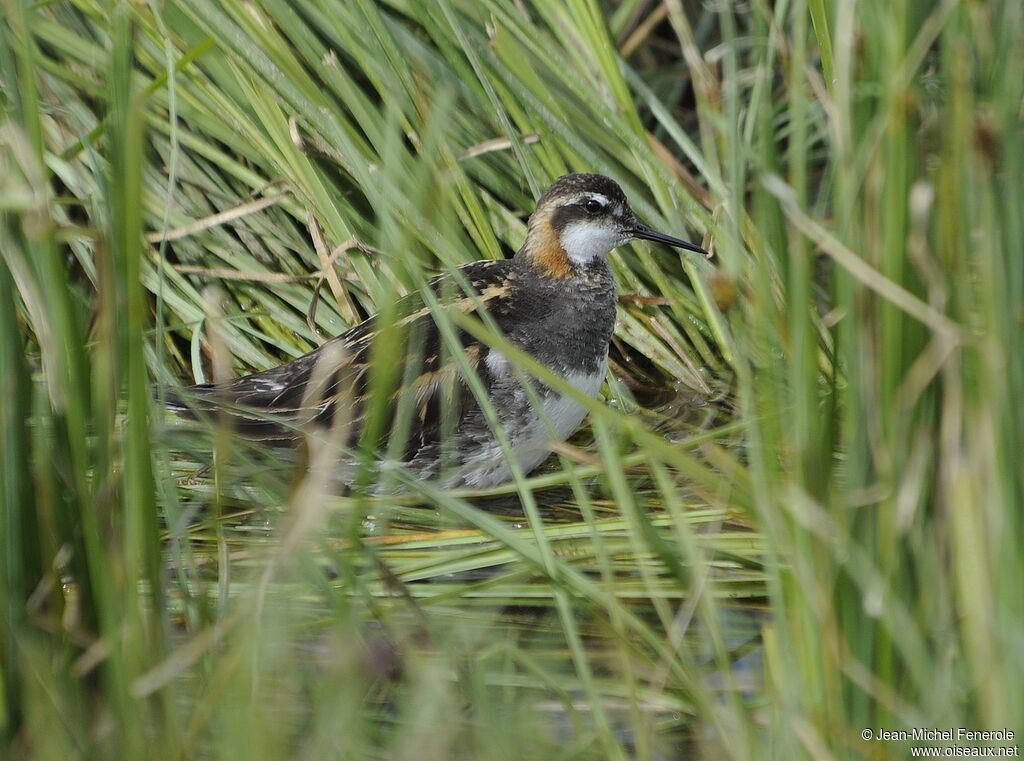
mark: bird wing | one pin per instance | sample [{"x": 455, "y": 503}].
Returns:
[{"x": 275, "y": 404}]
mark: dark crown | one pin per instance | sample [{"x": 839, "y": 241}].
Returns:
[{"x": 582, "y": 182}]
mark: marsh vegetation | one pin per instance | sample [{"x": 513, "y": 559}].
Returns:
[{"x": 795, "y": 513}]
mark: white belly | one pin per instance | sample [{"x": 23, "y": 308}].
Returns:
[
  {"x": 564, "y": 414},
  {"x": 558, "y": 418}
]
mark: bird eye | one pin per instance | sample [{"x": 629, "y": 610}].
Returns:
[{"x": 593, "y": 206}]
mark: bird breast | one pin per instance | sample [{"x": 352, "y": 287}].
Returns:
[
  {"x": 554, "y": 415},
  {"x": 563, "y": 413}
]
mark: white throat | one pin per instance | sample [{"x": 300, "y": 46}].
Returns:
[{"x": 582, "y": 241}]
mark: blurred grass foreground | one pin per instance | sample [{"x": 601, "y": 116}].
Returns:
[{"x": 795, "y": 515}]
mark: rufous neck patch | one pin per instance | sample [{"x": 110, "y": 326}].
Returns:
[{"x": 544, "y": 249}]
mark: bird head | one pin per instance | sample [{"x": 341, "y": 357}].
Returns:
[{"x": 582, "y": 217}]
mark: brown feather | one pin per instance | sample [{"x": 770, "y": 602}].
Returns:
[{"x": 544, "y": 248}]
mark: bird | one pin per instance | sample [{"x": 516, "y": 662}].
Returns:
[{"x": 555, "y": 300}]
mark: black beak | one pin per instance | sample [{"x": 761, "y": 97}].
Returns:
[{"x": 643, "y": 232}]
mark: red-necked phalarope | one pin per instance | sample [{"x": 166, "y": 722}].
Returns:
[{"x": 554, "y": 300}]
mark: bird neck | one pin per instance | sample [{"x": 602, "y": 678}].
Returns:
[
  {"x": 558, "y": 252},
  {"x": 543, "y": 249},
  {"x": 542, "y": 260}
]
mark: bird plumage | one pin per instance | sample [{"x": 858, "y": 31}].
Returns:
[{"x": 554, "y": 300}]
